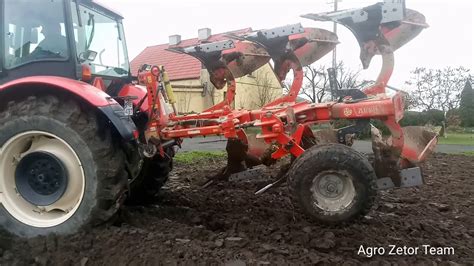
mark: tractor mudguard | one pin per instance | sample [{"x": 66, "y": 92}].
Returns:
[
  {"x": 92, "y": 95},
  {"x": 123, "y": 123}
]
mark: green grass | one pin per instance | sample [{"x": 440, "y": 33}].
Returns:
[
  {"x": 189, "y": 157},
  {"x": 457, "y": 138},
  {"x": 469, "y": 153}
]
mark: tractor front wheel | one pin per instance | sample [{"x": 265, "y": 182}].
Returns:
[
  {"x": 332, "y": 183},
  {"x": 59, "y": 168}
]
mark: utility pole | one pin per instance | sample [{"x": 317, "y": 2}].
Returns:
[
  {"x": 334, "y": 58},
  {"x": 332, "y": 72}
]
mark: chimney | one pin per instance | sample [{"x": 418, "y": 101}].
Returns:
[
  {"x": 174, "y": 39},
  {"x": 204, "y": 34}
]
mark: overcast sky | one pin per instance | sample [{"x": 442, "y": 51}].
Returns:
[{"x": 447, "y": 42}]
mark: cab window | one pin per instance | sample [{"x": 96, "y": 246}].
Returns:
[
  {"x": 34, "y": 31},
  {"x": 101, "y": 36}
]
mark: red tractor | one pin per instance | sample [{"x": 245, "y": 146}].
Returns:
[{"x": 79, "y": 133}]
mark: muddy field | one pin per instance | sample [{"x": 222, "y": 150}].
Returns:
[{"x": 227, "y": 223}]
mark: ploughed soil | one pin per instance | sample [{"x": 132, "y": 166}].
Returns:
[{"x": 227, "y": 223}]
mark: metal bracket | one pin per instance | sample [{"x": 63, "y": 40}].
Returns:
[
  {"x": 250, "y": 174},
  {"x": 277, "y": 32},
  {"x": 210, "y": 47},
  {"x": 281, "y": 31},
  {"x": 393, "y": 10},
  {"x": 410, "y": 177},
  {"x": 387, "y": 11}
]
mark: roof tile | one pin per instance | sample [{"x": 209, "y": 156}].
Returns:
[{"x": 178, "y": 66}]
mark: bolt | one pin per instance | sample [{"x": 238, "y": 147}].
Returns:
[
  {"x": 331, "y": 188},
  {"x": 16, "y": 159}
]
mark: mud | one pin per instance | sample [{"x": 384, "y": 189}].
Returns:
[{"x": 227, "y": 223}]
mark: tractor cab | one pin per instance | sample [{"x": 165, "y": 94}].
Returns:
[{"x": 74, "y": 39}]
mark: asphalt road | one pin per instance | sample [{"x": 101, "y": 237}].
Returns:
[{"x": 216, "y": 143}]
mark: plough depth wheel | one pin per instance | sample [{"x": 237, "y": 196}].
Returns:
[{"x": 333, "y": 183}]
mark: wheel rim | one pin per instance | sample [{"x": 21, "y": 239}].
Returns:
[
  {"x": 333, "y": 191},
  {"x": 42, "y": 180}
]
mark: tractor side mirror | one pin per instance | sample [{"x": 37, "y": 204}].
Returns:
[{"x": 34, "y": 35}]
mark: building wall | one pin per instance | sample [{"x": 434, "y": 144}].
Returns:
[
  {"x": 257, "y": 89},
  {"x": 189, "y": 99},
  {"x": 252, "y": 91}
]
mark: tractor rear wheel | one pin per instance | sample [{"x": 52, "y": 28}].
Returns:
[
  {"x": 332, "y": 183},
  {"x": 59, "y": 168}
]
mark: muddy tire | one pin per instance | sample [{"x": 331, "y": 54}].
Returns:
[
  {"x": 306, "y": 143},
  {"x": 59, "y": 168},
  {"x": 152, "y": 178},
  {"x": 332, "y": 183}
]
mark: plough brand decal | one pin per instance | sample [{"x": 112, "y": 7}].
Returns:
[
  {"x": 347, "y": 112},
  {"x": 366, "y": 111}
]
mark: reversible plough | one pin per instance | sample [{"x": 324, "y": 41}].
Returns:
[{"x": 286, "y": 124}]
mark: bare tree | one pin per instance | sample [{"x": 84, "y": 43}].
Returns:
[
  {"x": 287, "y": 85},
  {"x": 348, "y": 78},
  {"x": 316, "y": 81},
  {"x": 316, "y": 84},
  {"x": 437, "y": 88},
  {"x": 410, "y": 101},
  {"x": 266, "y": 92}
]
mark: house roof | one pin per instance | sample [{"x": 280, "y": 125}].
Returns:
[{"x": 178, "y": 66}]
